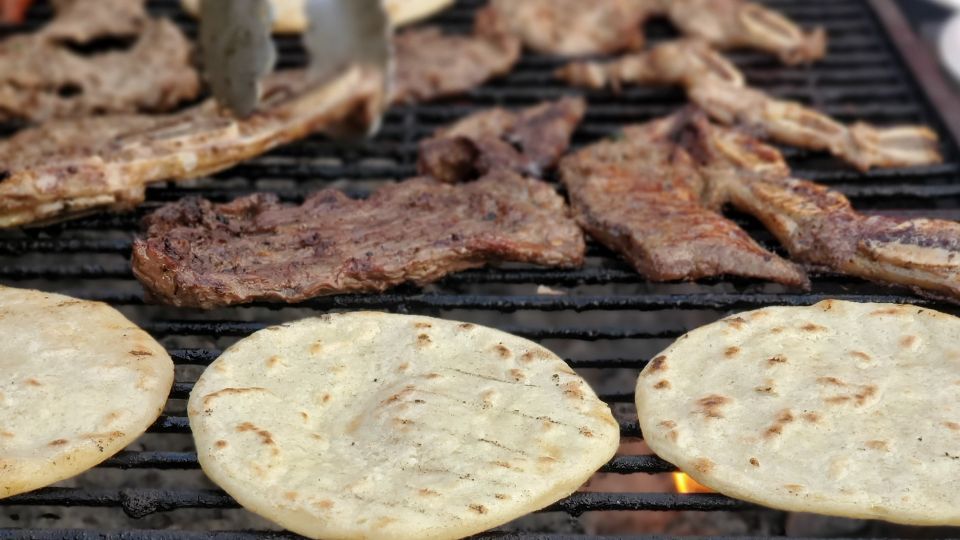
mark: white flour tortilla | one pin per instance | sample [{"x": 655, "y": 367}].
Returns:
[
  {"x": 80, "y": 382},
  {"x": 839, "y": 408},
  {"x": 370, "y": 425}
]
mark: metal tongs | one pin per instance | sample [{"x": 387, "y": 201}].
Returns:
[{"x": 238, "y": 49}]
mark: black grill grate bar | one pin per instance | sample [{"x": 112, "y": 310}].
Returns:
[
  {"x": 644, "y": 302},
  {"x": 649, "y": 464},
  {"x": 140, "y": 502}
]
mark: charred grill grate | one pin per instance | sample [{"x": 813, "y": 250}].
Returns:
[{"x": 607, "y": 321}]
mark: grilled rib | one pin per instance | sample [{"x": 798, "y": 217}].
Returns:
[
  {"x": 679, "y": 62},
  {"x": 70, "y": 167},
  {"x": 43, "y": 77},
  {"x": 819, "y": 226},
  {"x": 718, "y": 87},
  {"x": 199, "y": 254},
  {"x": 641, "y": 197},
  {"x": 860, "y": 144},
  {"x": 737, "y": 23},
  {"x": 431, "y": 64},
  {"x": 571, "y": 27},
  {"x": 528, "y": 141}
]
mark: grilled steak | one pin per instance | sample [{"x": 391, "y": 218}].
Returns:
[
  {"x": 718, "y": 87},
  {"x": 528, "y": 141},
  {"x": 571, "y": 27},
  {"x": 199, "y": 254},
  {"x": 431, "y": 64},
  {"x": 641, "y": 196},
  {"x": 818, "y": 225},
  {"x": 42, "y": 76},
  {"x": 70, "y": 167},
  {"x": 737, "y": 23}
]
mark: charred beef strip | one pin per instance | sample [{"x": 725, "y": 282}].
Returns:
[
  {"x": 199, "y": 254},
  {"x": 529, "y": 141}
]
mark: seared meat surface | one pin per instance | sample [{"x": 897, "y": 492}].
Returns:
[
  {"x": 527, "y": 141},
  {"x": 199, "y": 254},
  {"x": 718, "y": 87},
  {"x": 43, "y": 76},
  {"x": 571, "y": 27},
  {"x": 431, "y": 64},
  {"x": 738, "y": 23},
  {"x": 640, "y": 195},
  {"x": 69, "y": 167},
  {"x": 819, "y": 226}
]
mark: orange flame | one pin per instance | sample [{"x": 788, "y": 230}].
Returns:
[{"x": 685, "y": 484}]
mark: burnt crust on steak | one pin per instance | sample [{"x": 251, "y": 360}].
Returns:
[
  {"x": 199, "y": 254},
  {"x": 431, "y": 64},
  {"x": 70, "y": 167},
  {"x": 44, "y": 75},
  {"x": 528, "y": 141}
]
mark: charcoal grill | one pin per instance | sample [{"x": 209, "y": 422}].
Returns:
[{"x": 606, "y": 320}]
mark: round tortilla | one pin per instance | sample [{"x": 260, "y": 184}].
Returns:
[
  {"x": 371, "y": 425},
  {"x": 839, "y": 408},
  {"x": 80, "y": 382},
  {"x": 289, "y": 16}
]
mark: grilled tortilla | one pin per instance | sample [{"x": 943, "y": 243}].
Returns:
[
  {"x": 80, "y": 382},
  {"x": 839, "y": 408},
  {"x": 370, "y": 425},
  {"x": 289, "y": 16}
]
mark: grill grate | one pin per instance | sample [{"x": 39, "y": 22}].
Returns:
[{"x": 607, "y": 320}]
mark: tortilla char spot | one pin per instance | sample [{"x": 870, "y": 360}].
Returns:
[
  {"x": 316, "y": 347},
  {"x": 952, "y": 426},
  {"x": 810, "y": 327},
  {"x": 503, "y": 464},
  {"x": 703, "y": 465},
  {"x": 731, "y": 352},
  {"x": 140, "y": 352},
  {"x": 265, "y": 436},
  {"x": 908, "y": 341},
  {"x": 209, "y": 398},
  {"x": 783, "y": 418},
  {"x": 811, "y": 417},
  {"x": 861, "y": 356},
  {"x": 833, "y": 381},
  {"x": 290, "y": 496},
  {"x": 776, "y": 330},
  {"x": 403, "y": 367},
  {"x": 794, "y": 488},
  {"x": 669, "y": 424},
  {"x": 383, "y": 522},
  {"x": 304, "y": 415},
  {"x": 422, "y": 325},
  {"x": 466, "y": 326},
  {"x": 433, "y": 375},
  {"x": 502, "y": 351},
  {"x": 33, "y": 382},
  {"x": 662, "y": 385},
  {"x": 837, "y": 400},
  {"x": 274, "y": 361},
  {"x": 586, "y": 432},
  {"x": 878, "y": 445},
  {"x": 755, "y": 462},
  {"x": 573, "y": 390},
  {"x": 324, "y": 504},
  {"x": 710, "y": 406},
  {"x": 57, "y": 442},
  {"x": 6, "y": 434},
  {"x": 501, "y": 496},
  {"x": 768, "y": 387},
  {"x": 478, "y": 508},
  {"x": 886, "y": 311},
  {"x": 326, "y": 398},
  {"x": 426, "y": 492},
  {"x": 517, "y": 375},
  {"x": 736, "y": 322},
  {"x": 657, "y": 364},
  {"x": 423, "y": 340},
  {"x": 221, "y": 444},
  {"x": 487, "y": 397},
  {"x": 866, "y": 392},
  {"x": 778, "y": 359}
]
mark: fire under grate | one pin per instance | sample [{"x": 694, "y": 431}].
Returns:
[{"x": 604, "y": 318}]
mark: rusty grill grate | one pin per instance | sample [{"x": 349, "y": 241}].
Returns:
[{"x": 607, "y": 320}]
